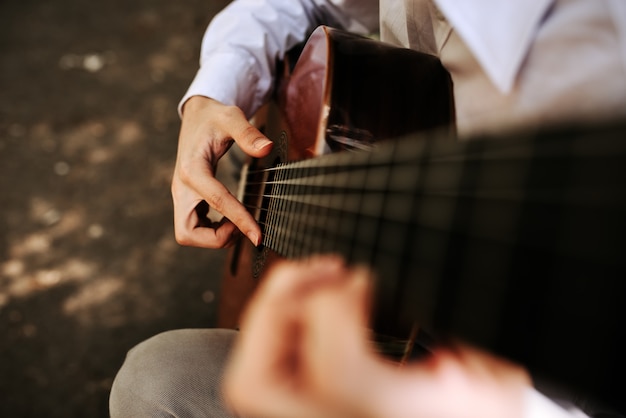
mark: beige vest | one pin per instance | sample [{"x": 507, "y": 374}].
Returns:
[{"x": 574, "y": 70}]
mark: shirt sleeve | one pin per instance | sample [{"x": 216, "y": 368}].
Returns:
[
  {"x": 537, "y": 405},
  {"x": 243, "y": 42}
]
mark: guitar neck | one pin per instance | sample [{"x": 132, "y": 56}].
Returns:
[
  {"x": 360, "y": 204},
  {"x": 484, "y": 240}
]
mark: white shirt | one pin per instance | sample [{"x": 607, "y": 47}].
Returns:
[
  {"x": 513, "y": 63},
  {"x": 239, "y": 48},
  {"x": 529, "y": 61}
]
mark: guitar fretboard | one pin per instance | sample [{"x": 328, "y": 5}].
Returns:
[{"x": 514, "y": 244}]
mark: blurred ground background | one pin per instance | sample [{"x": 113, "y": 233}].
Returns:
[{"x": 88, "y": 130}]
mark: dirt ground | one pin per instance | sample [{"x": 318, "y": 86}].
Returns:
[{"x": 88, "y": 130}]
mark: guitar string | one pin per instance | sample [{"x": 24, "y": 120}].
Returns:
[
  {"x": 509, "y": 150},
  {"x": 291, "y": 200},
  {"x": 325, "y": 179},
  {"x": 317, "y": 225},
  {"x": 330, "y": 180},
  {"x": 297, "y": 216},
  {"x": 347, "y": 161},
  {"x": 293, "y": 239}
]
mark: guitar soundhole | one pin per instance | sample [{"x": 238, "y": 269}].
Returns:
[
  {"x": 281, "y": 148},
  {"x": 258, "y": 264}
]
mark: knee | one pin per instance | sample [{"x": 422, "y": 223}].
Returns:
[{"x": 157, "y": 371}]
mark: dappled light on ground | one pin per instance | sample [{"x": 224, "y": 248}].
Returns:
[{"x": 88, "y": 262}]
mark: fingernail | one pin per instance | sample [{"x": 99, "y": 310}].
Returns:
[
  {"x": 256, "y": 240},
  {"x": 261, "y": 143},
  {"x": 362, "y": 274}
]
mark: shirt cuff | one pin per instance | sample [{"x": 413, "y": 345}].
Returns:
[
  {"x": 537, "y": 405},
  {"x": 230, "y": 79}
]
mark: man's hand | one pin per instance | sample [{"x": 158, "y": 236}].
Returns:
[
  {"x": 208, "y": 130},
  {"x": 304, "y": 351}
]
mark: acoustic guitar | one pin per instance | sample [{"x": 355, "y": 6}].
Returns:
[{"x": 514, "y": 244}]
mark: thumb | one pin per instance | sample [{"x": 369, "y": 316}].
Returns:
[{"x": 251, "y": 140}]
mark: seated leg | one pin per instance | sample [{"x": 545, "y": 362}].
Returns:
[{"x": 174, "y": 374}]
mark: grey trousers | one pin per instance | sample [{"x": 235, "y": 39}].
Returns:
[
  {"x": 178, "y": 374},
  {"x": 174, "y": 374}
]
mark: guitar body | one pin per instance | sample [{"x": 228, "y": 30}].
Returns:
[{"x": 345, "y": 92}]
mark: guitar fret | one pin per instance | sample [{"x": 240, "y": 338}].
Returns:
[
  {"x": 351, "y": 178},
  {"x": 281, "y": 220},
  {"x": 396, "y": 239},
  {"x": 294, "y": 247},
  {"x": 303, "y": 215},
  {"x": 285, "y": 220},
  {"x": 293, "y": 209},
  {"x": 273, "y": 219},
  {"x": 277, "y": 210},
  {"x": 364, "y": 238},
  {"x": 341, "y": 243}
]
